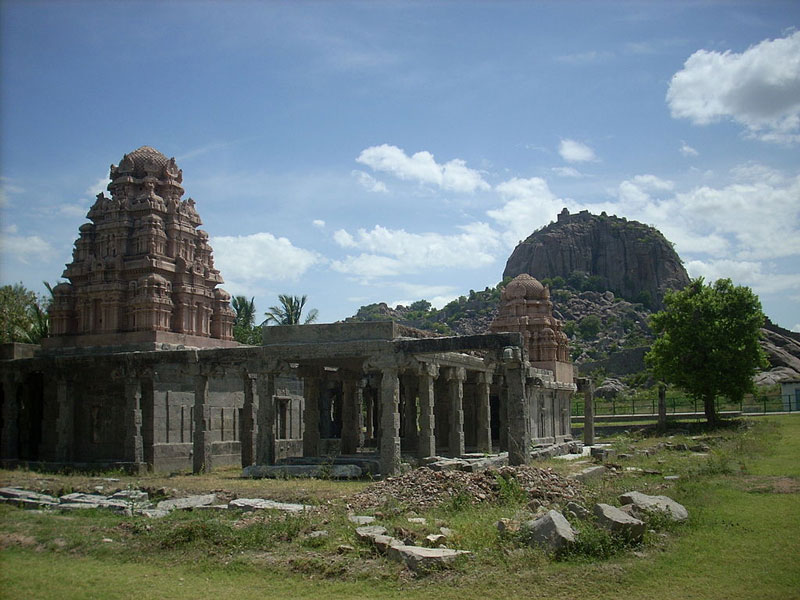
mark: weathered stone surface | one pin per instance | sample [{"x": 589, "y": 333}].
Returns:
[
  {"x": 578, "y": 510},
  {"x": 152, "y": 513},
  {"x": 551, "y": 531},
  {"x": 367, "y": 532},
  {"x": 603, "y": 454},
  {"x": 616, "y": 521},
  {"x": 434, "y": 539},
  {"x": 132, "y": 496},
  {"x": 95, "y": 500},
  {"x": 360, "y": 519},
  {"x": 417, "y": 520},
  {"x": 610, "y": 388},
  {"x": 420, "y": 559},
  {"x": 322, "y": 533},
  {"x": 250, "y": 504},
  {"x": 26, "y": 498},
  {"x": 590, "y": 474},
  {"x": 631, "y": 258},
  {"x": 664, "y": 504},
  {"x": 187, "y": 503},
  {"x": 317, "y": 470}
]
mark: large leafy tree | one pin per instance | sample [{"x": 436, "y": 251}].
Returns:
[
  {"x": 245, "y": 330},
  {"x": 290, "y": 311},
  {"x": 707, "y": 341},
  {"x": 23, "y": 315}
]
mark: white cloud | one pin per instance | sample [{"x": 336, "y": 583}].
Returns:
[
  {"x": 25, "y": 248},
  {"x": 422, "y": 167},
  {"x": 796, "y": 328},
  {"x": 388, "y": 252},
  {"x": 758, "y": 88},
  {"x": 6, "y": 189},
  {"x": 99, "y": 186},
  {"x": 567, "y": 172},
  {"x": 529, "y": 205},
  {"x": 687, "y": 150},
  {"x": 261, "y": 256},
  {"x": 574, "y": 151},
  {"x": 750, "y": 273},
  {"x": 318, "y": 223},
  {"x": 368, "y": 182}
]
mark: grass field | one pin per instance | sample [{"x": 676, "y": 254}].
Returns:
[{"x": 742, "y": 539}]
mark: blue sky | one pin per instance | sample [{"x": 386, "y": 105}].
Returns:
[{"x": 391, "y": 151}]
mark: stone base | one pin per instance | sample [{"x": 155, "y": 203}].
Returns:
[{"x": 129, "y": 341}]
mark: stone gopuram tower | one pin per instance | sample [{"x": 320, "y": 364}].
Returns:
[
  {"x": 525, "y": 307},
  {"x": 142, "y": 275}
]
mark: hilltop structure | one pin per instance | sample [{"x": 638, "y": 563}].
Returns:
[
  {"x": 138, "y": 374},
  {"x": 142, "y": 273}
]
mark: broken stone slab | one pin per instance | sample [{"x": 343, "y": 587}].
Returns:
[
  {"x": 95, "y": 499},
  {"x": 576, "y": 447},
  {"x": 420, "y": 559},
  {"x": 446, "y": 531},
  {"x": 320, "y": 471},
  {"x": 578, "y": 510},
  {"x": 250, "y": 504},
  {"x": 26, "y": 498},
  {"x": 211, "y": 507},
  {"x": 589, "y": 474},
  {"x": 187, "y": 503},
  {"x": 152, "y": 513},
  {"x": 133, "y": 496},
  {"x": 489, "y": 462},
  {"x": 645, "y": 503},
  {"x": 448, "y": 464},
  {"x": 367, "y": 532},
  {"x": 360, "y": 519},
  {"x": 418, "y": 520},
  {"x": 551, "y": 531},
  {"x": 614, "y": 520}
]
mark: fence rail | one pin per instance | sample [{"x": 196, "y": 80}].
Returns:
[{"x": 646, "y": 406}]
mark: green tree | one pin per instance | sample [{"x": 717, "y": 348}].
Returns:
[
  {"x": 589, "y": 326},
  {"x": 245, "y": 331},
  {"x": 707, "y": 341},
  {"x": 290, "y": 311},
  {"x": 23, "y": 316}
]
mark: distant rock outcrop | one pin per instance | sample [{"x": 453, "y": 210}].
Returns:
[{"x": 633, "y": 260}]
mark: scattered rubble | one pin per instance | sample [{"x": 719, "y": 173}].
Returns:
[
  {"x": 642, "y": 503},
  {"x": 617, "y": 521},
  {"x": 424, "y": 488},
  {"x": 416, "y": 558}
]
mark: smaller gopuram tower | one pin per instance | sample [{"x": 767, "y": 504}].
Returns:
[
  {"x": 525, "y": 307},
  {"x": 142, "y": 275}
]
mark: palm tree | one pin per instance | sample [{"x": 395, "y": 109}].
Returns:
[
  {"x": 290, "y": 311},
  {"x": 245, "y": 311}
]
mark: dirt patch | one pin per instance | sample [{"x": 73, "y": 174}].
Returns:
[
  {"x": 7, "y": 540},
  {"x": 771, "y": 485}
]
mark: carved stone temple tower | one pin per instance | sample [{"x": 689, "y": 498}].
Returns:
[
  {"x": 142, "y": 275},
  {"x": 525, "y": 307}
]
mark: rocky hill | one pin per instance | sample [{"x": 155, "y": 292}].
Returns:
[
  {"x": 606, "y": 275},
  {"x": 633, "y": 260}
]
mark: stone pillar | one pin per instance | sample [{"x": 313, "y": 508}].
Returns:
[
  {"x": 311, "y": 389},
  {"x": 410, "y": 434},
  {"x": 65, "y": 427},
  {"x": 134, "y": 447},
  {"x": 519, "y": 427},
  {"x": 351, "y": 413},
  {"x": 588, "y": 412},
  {"x": 455, "y": 388},
  {"x": 10, "y": 449},
  {"x": 484, "y": 432},
  {"x": 370, "y": 408},
  {"x": 662, "y": 407},
  {"x": 201, "y": 444},
  {"x": 248, "y": 423},
  {"x": 426, "y": 445},
  {"x": 390, "y": 422},
  {"x": 503, "y": 415},
  {"x": 266, "y": 419}
]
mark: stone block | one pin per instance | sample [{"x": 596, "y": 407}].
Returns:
[
  {"x": 590, "y": 474},
  {"x": 551, "y": 532},
  {"x": 578, "y": 510},
  {"x": 360, "y": 519},
  {"x": 251, "y": 504},
  {"x": 187, "y": 503},
  {"x": 644, "y": 503},
  {"x": 616, "y": 521}
]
